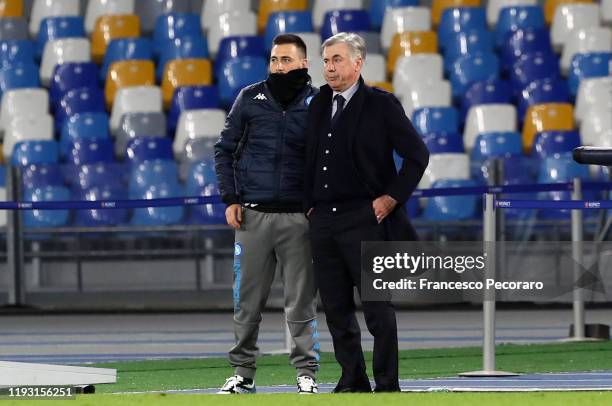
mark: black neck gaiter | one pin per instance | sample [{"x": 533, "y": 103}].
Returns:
[{"x": 286, "y": 86}]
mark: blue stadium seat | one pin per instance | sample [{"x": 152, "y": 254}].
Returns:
[
  {"x": 126, "y": 49},
  {"x": 35, "y": 152},
  {"x": 234, "y": 47},
  {"x": 239, "y": 73},
  {"x": 83, "y": 126},
  {"x": 472, "y": 68},
  {"x": 436, "y": 120},
  {"x": 542, "y": 91},
  {"x": 524, "y": 41},
  {"x": 91, "y": 150},
  {"x": 181, "y": 48},
  {"x": 15, "y": 52},
  {"x": 201, "y": 181},
  {"x": 102, "y": 217},
  {"x": 13, "y": 28},
  {"x": 284, "y": 22},
  {"x": 73, "y": 75},
  {"x": 515, "y": 18},
  {"x": 533, "y": 66},
  {"x": 53, "y": 28},
  {"x": 46, "y": 218},
  {"x": 3, "y": 176},
  {"x": 447, "y": 208},
  {"x": 554, "y": 143},
  {"x": 473, "y": 41},
  {"x": 191, "y": 98},
  {"x": 461, "y": 19},
  {"x": 336, "y": 21},
  {"x": 589, "y": 65},
  {"x": 151, "y": 173},
  {"x": 497, "y": 144},
  {"x": 18, "y": 77},
  {"x": 413, "y": 208},
  {"x": 517, "y": 170},
  {"x": 100, "y": 173},
  {"x": 486, "y": 92},
  {"x": 33, "y": 176},
  {"x": 79, "y": 100},
  {"x": 142, "y": 149},
  {"x": 378, "y": 8},
  {"x": 159, "y": 216},
  {"x": 442, "y": 143},
  {"x": 175, "y": 25}
]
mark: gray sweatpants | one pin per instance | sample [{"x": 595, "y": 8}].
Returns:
[{"x": 264, "y": 241}]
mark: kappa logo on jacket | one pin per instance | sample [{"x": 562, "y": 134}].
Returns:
[{"x": 260, "y": 96}]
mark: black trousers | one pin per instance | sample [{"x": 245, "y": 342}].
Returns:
[{"x": 336, "y": 237}]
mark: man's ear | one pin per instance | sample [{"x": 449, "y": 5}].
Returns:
[{"x": 305, "y": 63}]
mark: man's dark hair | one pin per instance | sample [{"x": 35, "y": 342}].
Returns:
[{"x": 283, "y": 39}]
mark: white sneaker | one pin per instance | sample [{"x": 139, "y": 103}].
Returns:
[
  {"x": 237, "y": 384},
  {"x": 307, "y": 385}
]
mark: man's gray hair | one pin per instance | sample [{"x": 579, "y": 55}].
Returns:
[{"x": 354, "y": 41}]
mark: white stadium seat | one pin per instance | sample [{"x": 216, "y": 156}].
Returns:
[
  {"x": 427, "y": 94},
  {"x": 313, "y": 43},
  {"x": 571, "y": 17},
  {"x": 596, "y": 39},
  {"x": 315, "y": 70},
  {"x": 495, "y": 6},
  {"x": 606, "y": 12},
  {"x": 229, "y": 24},
  {"x": 26, "y": 128},
  {"x": 415, "y": 69},
  {"x": 42, "y": 9},
  {"x": 62, "y": 51},
  {"x": 133, "y": 100},
  {"x": 23, "y": 102},
  {"x": 321, "y": 7},
  {"x": 596, "y": 126},
  {"x": 403, "y": 19},
  {"x": 197, "y": 124},
  {"x": 592, "y": 93},
  {"x": 98, "y": 8},
  {"x": 374, "y": 68},
  {"x": 487, "y": 118},
  {"x": 445, "y": 166},
  {"x": 212, "y": 9}
]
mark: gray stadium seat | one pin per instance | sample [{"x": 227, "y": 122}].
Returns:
[
  {"x": 196, "y": 150},
  {"x": 149, "y": 10},
  {"x": 139, "y": 125},
  {"x": 13, "y": 28},
  {"x": 372, "y": 40}
]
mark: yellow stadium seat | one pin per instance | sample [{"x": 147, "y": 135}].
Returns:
[
  {"x": 184, "y": 72},
  {"x": 110, "y": 27},
  {"x": 382, "y": 85},
  {"x": 410, "y": 43},
  {"x": 11, "y": 8},
  {"x": 438, "y": 7},
  {"x": 551, "y": 5},
  {"x": 267, "y": 7},
  {"x": 126, "y": 74},
  {"x": 546, "y": 117}
]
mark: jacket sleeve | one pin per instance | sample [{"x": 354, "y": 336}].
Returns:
[
  {"x": 225, "y": 149},
  {"x": 408, "y": 145}
]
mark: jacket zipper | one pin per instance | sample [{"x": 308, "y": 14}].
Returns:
[{"x": 280, "y": 141}]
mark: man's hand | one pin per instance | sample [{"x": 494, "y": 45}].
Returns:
[
  {"x": 233, "y": 215},
  {"x": 383, "y": 205}
]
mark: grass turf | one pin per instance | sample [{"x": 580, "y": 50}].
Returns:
[{"x": 140, "y": 376}]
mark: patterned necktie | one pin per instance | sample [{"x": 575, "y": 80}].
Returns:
[{"x": 339, "y": 107}]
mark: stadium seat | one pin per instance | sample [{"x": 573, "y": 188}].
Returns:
[
  {"x": 523, "y": 42},
  {"x": 158, "y": 216},
  {"x": 551, "y": 6},
  {"x": 444, "y": 142},
  {"x": 267, "y": 7},
  {"x": 345, "y": 20},
  {"x": 403, "y": 19},
  {"x": 410, "y": 43},
  {"x": 533, "y": 66},
  {"x": 373, "y": 69},
  {"x": 239, "y": 73},
  {"x": 46, "y": 218},
  {"x": 135, "y": 125},
  {"x": 436, "y": 120},
  {"x": 589, "y": 65},
  {"x": 546, "y": 117},
  {"x": 191, "y": 98},
  {"x": 18, "y": 76},
  {"x": 606, "y": 12},
  {"x": 496, "y": 144},
  {"x": 516, "y": 18},
  {"x": 427, "y": 94},
  {"x": 79, "y": 100},
  {"x": 32, "y": 152},
  {"x": 455, "y": 20},
  {"x": 141, "y": 149},
  {"x": 26, "y": 128},
  {"x": 150, "y": 10},
  {"x": 11, "y": 8},
  {"x": 494, "y": 8},
  {"x": 23, "y": 102},
  {"x": 62, "y": 51},
  {"x": 112, "y": 27},
  {"x": 181, "y": 48},
  {"x": 488, "y": 118},
  {"x": 598, "y": 39},
  {"x": 101, "y": 217},
  {"x": 33, "y": 176},
  {"x": 378, "y": 8},
  {"x": 313, "y": 45},
  {"x": 467, "y": 43},
  {"x": 54, "y": 28},
  {"x": 448, "y": 208},
  {"x": 150, "y": 173},
  {"x": 542, "y": 91},
  {"x": 201, "y": 181},
  {"x": 42, "y": 9},
  {"x": 211, "y": 10},
  {"x": 321, "y": 7},
  {"x": 83, "y": 126},
  {"x": 472, "y": 68},
  {"x": 285, "y": 22},
  {"x": 597, "y": 124},
  {"x": 553, "y": 143},
  {"x": 13, "y": 29},
  {"x": 70, "y": 76},
  {"x": 133, "y": 100},
  {"x": 172, "y": 26},
  {"x": 102, "y": 8},
  {"x": 231, "y": 24},
  {"x": 372, "y": 40},
  {"x": 196, "y": 150},
  {"x": 128, "y": 74},
  {"x": 445, "y": 166},
  {"x": 184, "y": 72},
  {"x": 493, "y": 91},
  {"x": 237, "y": 47},
  {"x": 316, "y": 70},
  {"x": 90, "y": 150},
  {"x": 572, "y": 17},
  {"x": 124, "y": 49},
  {"x": 194, "y": 124},
  {"x": 100, "y": 174},
  {"x": 593, "y": 93},
  {"x": 438, "y": 7},
  {"x": 416, "y": 69}
]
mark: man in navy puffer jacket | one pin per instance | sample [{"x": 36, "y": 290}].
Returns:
[{"x": 259, "y": 161}]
